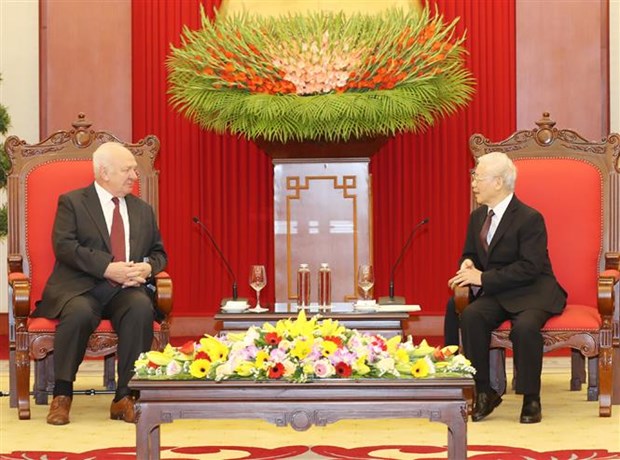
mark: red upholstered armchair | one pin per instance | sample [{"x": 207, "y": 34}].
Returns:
[
  {"x": 574, "y": 184},
  {"x": 39, "y": 174}
]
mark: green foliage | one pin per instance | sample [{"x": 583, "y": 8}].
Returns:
[
  {"x": 5, "y": 165},
  {"x": 321, "y": 76},
  {"x": 5, "y": 122},
  {"x": 3, "y": 221}
]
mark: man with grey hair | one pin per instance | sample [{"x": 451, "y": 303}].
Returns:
[
  {"x": 506, "y": 263},
  {"x": 107, "y": 247}
]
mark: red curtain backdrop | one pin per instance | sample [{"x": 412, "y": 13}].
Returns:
[{"x": 227, "y": 182}]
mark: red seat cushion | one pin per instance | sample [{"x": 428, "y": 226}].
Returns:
[
  {"x": 49, "y": 325},
  {"x": 573, "y": 318}
]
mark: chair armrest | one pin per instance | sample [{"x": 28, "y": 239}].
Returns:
[
  {"x": 607, "y": 281},
  {"x": 163, "y": 293},
  {"x": 15, "y": 263},
  {"x": 612, "y": 261},
  {"x": 606, "y": 300},
  {"x": 19, "y": 287},
  {"x": 461, "y": 298}
]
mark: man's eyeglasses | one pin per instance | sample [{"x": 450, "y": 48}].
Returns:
[{"x": 476, "y": 177}]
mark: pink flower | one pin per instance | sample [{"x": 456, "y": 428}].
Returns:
[{"x": 323, "y": 369}]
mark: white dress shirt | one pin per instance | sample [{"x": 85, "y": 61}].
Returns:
[
  {"x": 107, "y": 205},
  {"x": 499, "y": 211}
]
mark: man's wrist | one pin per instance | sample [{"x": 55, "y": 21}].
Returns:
[{"x": 147, "y": 261}]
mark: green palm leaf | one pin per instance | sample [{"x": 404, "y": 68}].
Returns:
[{"x": 320, "y": 76}]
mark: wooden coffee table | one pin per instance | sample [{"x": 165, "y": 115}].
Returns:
[{"x": 302, "y": 405}]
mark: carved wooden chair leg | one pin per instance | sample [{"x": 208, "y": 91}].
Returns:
[
  {"x": 49, "y": 373},
  {"x": 22, "y": 361},
  {"x": 497, "y": 363},
  {"x": 615, "y": 370},
  {"x": 605, "y": 377},
  {"x": 12, "y": 379},
  {"x": 593, "y": 378},
  {"x": 39, "y": 387},
  {"x": 578, "y": 370},
  {"x": 109, "y": 380}
]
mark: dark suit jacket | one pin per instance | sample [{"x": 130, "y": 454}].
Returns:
[
  {"x": 81, "y": 244},
  {"x": 517, "y": 269}
]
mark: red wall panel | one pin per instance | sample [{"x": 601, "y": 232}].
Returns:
[{"x": 227, "y": 181}]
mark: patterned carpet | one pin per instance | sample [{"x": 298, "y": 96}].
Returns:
[
  {"x": 570, "y": 430},
  {"x": 322, "y": 452}
]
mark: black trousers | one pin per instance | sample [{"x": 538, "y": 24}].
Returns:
[
  {"x": 451, "y": 324},
  {"x": 131, "y": 312},
  {"x": 479, "y": 320}
]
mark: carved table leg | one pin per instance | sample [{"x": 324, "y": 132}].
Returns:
[
  {"x": 147, "y": 432},
  {"x": 456, "y": 419}
]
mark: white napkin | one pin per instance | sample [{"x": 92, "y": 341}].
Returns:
[
  {"x": 372, "y": 306},
  {"x": 235, "y": 305},
  {"x": 370, "y": 303},
  {"x": 398, "y": 308}
]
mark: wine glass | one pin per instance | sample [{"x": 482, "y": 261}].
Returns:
[
  {"x": 365, "y": 279},
  {"x": 258, "y": 280}
]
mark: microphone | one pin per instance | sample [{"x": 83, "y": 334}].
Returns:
[
  {"x": 219, "y": 251},
  {"x": 400, "y": 300}
]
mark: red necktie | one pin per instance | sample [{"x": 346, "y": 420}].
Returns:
[
  {"x": 484, "y": 232},
  {"x": 117, "y": 233}
]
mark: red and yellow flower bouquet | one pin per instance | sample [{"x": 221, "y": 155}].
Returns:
[{"x": 300, "y": 350}]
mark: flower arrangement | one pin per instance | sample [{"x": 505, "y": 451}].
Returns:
[
  {"x": 320, "y": 76},
  {"x": 301, "y": 350}
]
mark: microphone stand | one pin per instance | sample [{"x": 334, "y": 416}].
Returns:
[
  {"x": 234, "y": 297},
  {"x": 391, "y": 299}
]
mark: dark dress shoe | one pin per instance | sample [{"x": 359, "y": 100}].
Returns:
[
  {"x": 531, "y": 412},
  {"x": 484, "y": 404},
  {"x": 124, "y": 409},
  {"x": 59, "y": 410}
]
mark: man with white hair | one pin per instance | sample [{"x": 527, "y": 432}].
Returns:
[
  {"x": 107, "y": 247},
  {"x": 506, "y": 262}
]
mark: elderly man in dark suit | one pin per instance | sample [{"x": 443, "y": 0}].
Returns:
[
  {"x": 506, "y": 261},
  {"x": 107, "y": 247}
]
